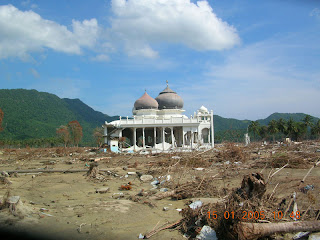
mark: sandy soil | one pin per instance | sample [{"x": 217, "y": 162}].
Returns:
[{"x": 66, "y": 205}]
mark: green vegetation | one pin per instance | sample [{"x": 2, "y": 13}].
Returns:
[
  {"x": 31, "y": 116},
  {"x": 307, "y": 128}
]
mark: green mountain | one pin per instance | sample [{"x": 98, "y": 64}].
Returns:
[
  {"x": 32, "y": 114},
  {"x": 297, "y": 117}
]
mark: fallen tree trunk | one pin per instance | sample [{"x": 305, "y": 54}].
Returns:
[
  {"x": 251, "y": 231},
  {"x": 51, "y": 171},
  {"x": 160, "y": 196}
]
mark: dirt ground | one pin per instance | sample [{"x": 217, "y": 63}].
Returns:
[{"x": 66, "y": 205}]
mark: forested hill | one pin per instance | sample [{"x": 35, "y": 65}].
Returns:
[
  {"x": 32, "y": 114},
  {"x": 297, "y": 117}
]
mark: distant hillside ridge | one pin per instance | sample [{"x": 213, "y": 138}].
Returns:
[{"x": 32, "y": 114}]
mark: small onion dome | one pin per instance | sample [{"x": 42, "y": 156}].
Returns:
[
  {"x": 203, "y": 109},
  {"x": 146, "y": 102},
  {"x": 168, "y": 99}
]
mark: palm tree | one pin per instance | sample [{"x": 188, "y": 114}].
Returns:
[
  {"x": 273, "y": 128},
  {"x": 315, "y": 130},
  {"x": 263, "y": 132},
  {"x": 282, "y": 125},
  {"x": 254, "y": 128},
  {"x": 307, "y": 121},
  {"x": 291, "y": 128}
]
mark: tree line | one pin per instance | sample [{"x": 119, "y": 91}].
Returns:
[
  {"x": 68, "y": 135},
  {"x": 297, "y": 131}
]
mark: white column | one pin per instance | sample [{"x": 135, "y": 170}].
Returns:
[
  {"x": 191, "y": 140},
  {"x": 212, "y": 129},
  {"x": 172, "y": 137},
  {"x": 143, "y": 139},
  {"x": 105, "y": 129},
  {"x": 134, "y": 138},
  {"x": 163, "y": 138},
  {"x": 183, "y": 137},
  {"x": 155, "y": 136}
]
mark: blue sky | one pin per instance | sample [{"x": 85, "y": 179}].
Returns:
[{"x": 243, "y": 59}]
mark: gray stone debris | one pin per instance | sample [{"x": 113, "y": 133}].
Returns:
[
  {"x": 207, "y": 233},
  {"x": 13, "y": 199}
]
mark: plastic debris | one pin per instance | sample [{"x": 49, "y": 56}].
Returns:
[
  {"x": 141, "y": 236},
  {"x": 314, "y": 236},
  {"x": 195, "y": 205},
  {"x": 300, "y": 235},
  {"x": 155, "y": 182},
  {"x": 306, "y": 188},
  {"x": 168, "y": 177},
  {"x": 199, "y": 169},
  {"x": 207, "y": 233},
  {"x": 165, "y": 209},
  {"x": 179, "y": 209},
  {"x": 163, "y": 189},
  {"x": 146, "y": 178}
]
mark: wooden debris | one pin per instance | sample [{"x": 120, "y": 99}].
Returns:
[
  {"x": 251, "y": 231},
  {"x": 153, "y": 232}
]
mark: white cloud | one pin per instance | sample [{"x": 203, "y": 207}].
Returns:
[
  {"x": 260, "y": 79},
  {"x": 141, "y": 23},
  {"x": 22, "y": 32},
  {"x": 315, "y": 12},
  {"x": 34, "y": 73},
  {"x": 101, "y": 58}
]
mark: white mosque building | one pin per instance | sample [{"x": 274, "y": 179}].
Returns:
[{"x": 159, "y": 124}]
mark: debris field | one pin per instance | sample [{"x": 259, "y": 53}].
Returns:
[{"x": 259, "y": 191}]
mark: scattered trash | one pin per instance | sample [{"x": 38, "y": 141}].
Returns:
[
  {"x": 314, "y": 236},
  {"x": 5, "y": 174},
  {"x": 165, "y": 209},
  {"x": 176, "y": 157},
  {"x": 306, "y": 188},
  {"x": 102, "y": 190},
  {"x": 127, "y": 186},
  {"x": 207, "y": 233},
  {"x": 118, "y": 195},
  {"x": 46, "y": 214},
  {"x": 179, "y": 209},
  {"x": 168, "y": 177},
  {"x": 155, "y": 183},
  {"x": 163, "y": 189},
  {"x": 146, "y": 178},
  {"x": 300, "y": 235},
  {"x": 141, "y": 236},
  {"x": 199, "y": 169},
  {"x": 131, "y": 173},
  {"x": 195, "y": 205}
]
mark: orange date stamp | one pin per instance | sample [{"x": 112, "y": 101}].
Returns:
[{"x": 247, "y": 215}]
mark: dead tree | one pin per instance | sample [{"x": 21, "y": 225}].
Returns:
[{"x": 251, "y": 231}]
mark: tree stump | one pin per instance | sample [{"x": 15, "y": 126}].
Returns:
[
  {"x": 93, "y": 172},
  {"x": 252, "y": 185}
]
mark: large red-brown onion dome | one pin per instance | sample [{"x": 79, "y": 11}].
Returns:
[
  {"x": 146, "y": 102},
  {"x": 169, "y": 99}
]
